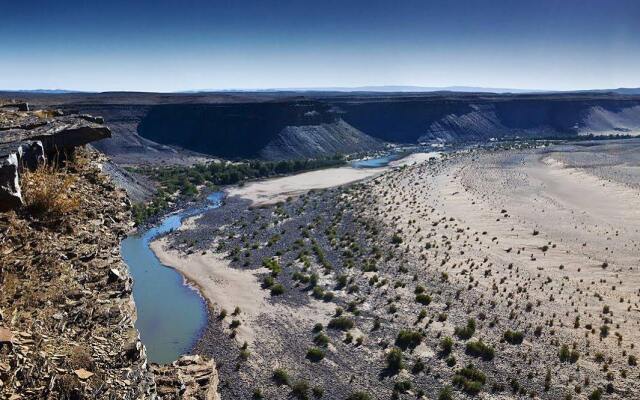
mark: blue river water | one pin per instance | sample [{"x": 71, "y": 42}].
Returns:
[
  {"x": 377, "y": 162},
  {"x": 170, "y": 313}
]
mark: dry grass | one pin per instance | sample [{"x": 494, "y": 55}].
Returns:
[{"x": 49, "y": 191}]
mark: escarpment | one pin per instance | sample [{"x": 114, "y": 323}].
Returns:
[{"x": 66, "y": 308}]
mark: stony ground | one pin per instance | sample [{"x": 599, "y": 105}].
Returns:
[
  {"x": 66, "y": 312},
  {"x": 486, "y": 273}
]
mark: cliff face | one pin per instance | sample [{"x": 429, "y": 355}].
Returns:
[
  {"x": 272, "y": 129},
  {"x": 146, "y": 126},
  {"x": 477, "y": 118}
]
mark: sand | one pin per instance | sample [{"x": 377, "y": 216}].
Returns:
[
  {"x": 274, "y": 190},
  {"x": 226, "y": 288}
]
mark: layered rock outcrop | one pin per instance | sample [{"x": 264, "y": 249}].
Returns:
[{"x": 28, "y": 137}]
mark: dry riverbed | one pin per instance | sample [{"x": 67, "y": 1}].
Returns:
[{"x": 505, "y": 273}]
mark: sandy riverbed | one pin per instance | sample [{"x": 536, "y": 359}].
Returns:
[{"x": 279, "y": 189}]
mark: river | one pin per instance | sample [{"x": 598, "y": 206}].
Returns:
[{"x": 170, "y": 313}]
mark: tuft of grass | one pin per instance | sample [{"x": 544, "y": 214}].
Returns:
[
  {"x": 315, "y": 354},
  {"x": 281, "y": 376},
  {"x": 48, "y": 191}
]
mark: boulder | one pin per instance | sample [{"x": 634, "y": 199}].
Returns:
[{"x": 10, "y": 194}]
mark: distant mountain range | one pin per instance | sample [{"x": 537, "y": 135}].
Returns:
[
  {"x": 371, "y": 89},
  {"x": 420, "y": 89}
]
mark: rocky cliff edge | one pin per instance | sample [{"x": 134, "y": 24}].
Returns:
[{"x": 66, "y": 307}]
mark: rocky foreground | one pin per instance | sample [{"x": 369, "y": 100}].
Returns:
[{"x": 66, "y": 310}]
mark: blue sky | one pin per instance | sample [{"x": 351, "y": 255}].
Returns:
[{"x": 159, "y": 45}]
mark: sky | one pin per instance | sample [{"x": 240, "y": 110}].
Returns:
[{"x": 160, "y": 45}]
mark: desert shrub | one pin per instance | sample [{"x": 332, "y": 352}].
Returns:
[
  {"x": 317, "y": 392},
  {"x": 277, "y": 289},
  {"x": 467, "y": 331},
  {"x": 359, "y": 396},
  {"x": 317, "y": 292},
  {"x": 408, "y": 339},
  {"x": 596, "y": 394},
  {"x": 469, "y": 379},
  {"x": 633, "y": 361},
  {"x": 423, "y": 299},
  {"x": 446, "y": 393},
  {"x": 315, "y": 354},
  {"x": 567, "y": 355},
  {"x": 396, "y": 239},
  {"x": 321, "y": 339},
  {"x": 480, "y": 349},
  {"x": 418, "y": 367},
  {"x": 273, "y": 265},
  {"x": 281, "y": 377},
  {"x": 268, "y": 282},
  {"x": 402, "y": 386},
  {"x": 446, "y": 344},
  {"x": 513, "y": 337},
  {"x": 341, "y": 323},
  {"x": 48, "y": 191},
  {"x": 300, "y": 390},
  {"x": 395, "y": 360}
]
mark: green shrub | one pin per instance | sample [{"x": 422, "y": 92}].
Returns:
[
  {"x": 596, "y": 394},
  {"x": 341, "y": 323},
  {"x": 470, "y": 379},
  {"x": 567, "y": 355},
  {"x": 408, "y": 339},
  {"x": 479, "y": 349},
  {"x": 445, "y": 393},
  {"x": 315, "y": 354},
  {"x": 446, "y": 344},
  {"x": 281, "y": 377},
  {"x": 321, "y": 340},
  {"x": 300, "y": 390},
  {"x": 402, "y": 386},
  {"x": 277, "y": 289},
  {"x": 467, "y": 331},
  {"x": 423, "y": 299},
  {"x": 513, "y": 337},
  {"x": 359, "y": 396},
  {"x": 317, "y": 392},
  {"x": 395, "y": 360}
]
